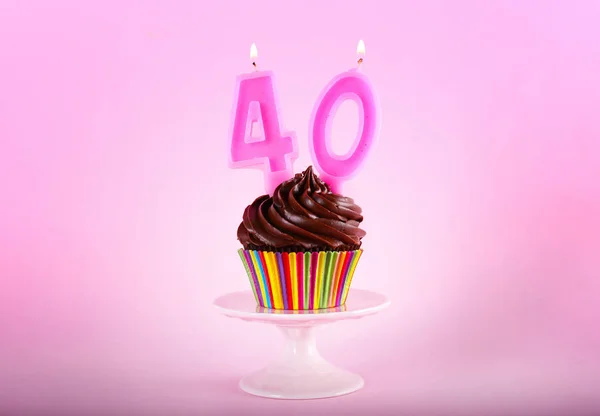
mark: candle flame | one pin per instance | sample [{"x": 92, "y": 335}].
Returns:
[
  {"x": 254, "y": 55},
  {"x": 360, "y": 49}
]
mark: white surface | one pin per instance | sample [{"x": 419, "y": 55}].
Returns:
[
  {"x": 358, "y": 304},
  {"x": 300, "y": 372}
]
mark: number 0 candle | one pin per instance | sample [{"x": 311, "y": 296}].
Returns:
[
  {"x": 255, "y": 104},
  {"x": 350, "y": 85}
]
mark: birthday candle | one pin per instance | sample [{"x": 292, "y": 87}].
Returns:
[
  {"x": 255, "y": 104},
  {"x": 349, "y": 85}
]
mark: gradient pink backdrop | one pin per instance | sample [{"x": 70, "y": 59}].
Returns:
[{"x": 118, "y": 213}]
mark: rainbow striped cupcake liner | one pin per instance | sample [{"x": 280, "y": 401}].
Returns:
[{"x": 301, "y": 280}]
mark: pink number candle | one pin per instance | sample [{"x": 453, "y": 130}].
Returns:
[
  {"x": 350, "y": 85},
  {"x": 255, "y": 104}
]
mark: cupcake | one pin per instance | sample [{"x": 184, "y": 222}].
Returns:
[{"x": 301, "y": 246}]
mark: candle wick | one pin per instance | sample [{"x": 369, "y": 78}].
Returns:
[
  {"x": 254, "y": 65},
  {"x": 360, "y": 61}
]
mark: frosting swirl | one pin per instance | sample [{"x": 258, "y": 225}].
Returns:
[{"x": 302, "y": 215}]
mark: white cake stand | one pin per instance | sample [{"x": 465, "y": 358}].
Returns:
[{"x": 300, "y": 372}]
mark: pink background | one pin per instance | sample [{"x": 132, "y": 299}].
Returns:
[{"x": 118, "y": 212}]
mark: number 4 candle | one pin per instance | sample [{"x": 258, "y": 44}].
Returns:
[{"x": 256, "y": 104}]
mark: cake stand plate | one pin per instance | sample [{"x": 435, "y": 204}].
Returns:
[{"x": 300, "y": 372}]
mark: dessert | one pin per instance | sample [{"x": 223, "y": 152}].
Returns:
[{"x": 301, "y": 245}]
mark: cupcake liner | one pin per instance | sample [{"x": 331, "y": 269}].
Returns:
[
  {"x": 261, "y": 309},
  {"x": 300, "y": 280}
]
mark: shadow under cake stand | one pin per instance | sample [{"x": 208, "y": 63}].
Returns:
[{"x": 300, "y": 372}]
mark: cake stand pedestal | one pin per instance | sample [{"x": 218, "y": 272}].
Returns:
[{"x": 300, "y": 372}]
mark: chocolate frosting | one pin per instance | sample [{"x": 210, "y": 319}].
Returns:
[{"x": 302, "y": 215}]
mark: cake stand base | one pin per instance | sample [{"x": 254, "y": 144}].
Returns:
[{"x": 300, "y": 372}]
